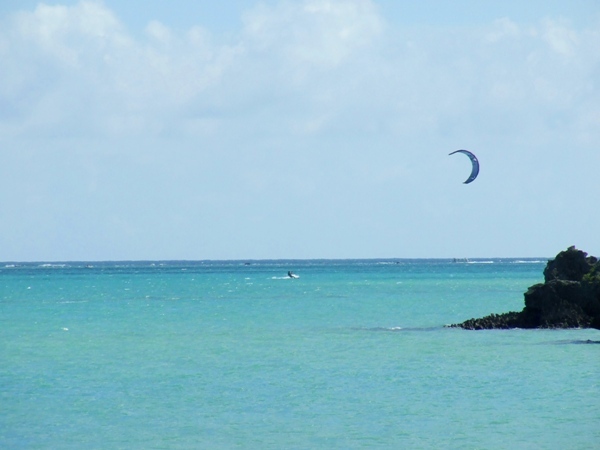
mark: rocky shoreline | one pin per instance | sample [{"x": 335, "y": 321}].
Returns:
[{"x": 568, "y": 298}]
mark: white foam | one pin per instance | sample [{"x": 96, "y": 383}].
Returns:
[{"x": 536, "y": 261}]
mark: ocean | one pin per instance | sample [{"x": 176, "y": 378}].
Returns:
[{"x": 237, "y": 355}]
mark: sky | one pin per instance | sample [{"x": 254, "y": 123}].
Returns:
[{"x": 280, "y": 129}]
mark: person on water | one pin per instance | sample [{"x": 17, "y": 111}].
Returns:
[{"x": 290, "y": 274}]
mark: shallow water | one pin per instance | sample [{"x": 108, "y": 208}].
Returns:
[{"x": 353, "y": 354}]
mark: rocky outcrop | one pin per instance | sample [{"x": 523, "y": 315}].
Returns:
[{"x": 568, "y": 298}]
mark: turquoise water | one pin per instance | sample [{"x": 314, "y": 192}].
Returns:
[{"x": 234, "y": 355}]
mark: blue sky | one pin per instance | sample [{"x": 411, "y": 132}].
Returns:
[{"x": 297, "y": 129}]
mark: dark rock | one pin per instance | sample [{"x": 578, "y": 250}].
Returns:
[
  {"x": 502, "y": 321},
  {"x": 572, "y": 265},
  {"x": 569, "y": 297}
]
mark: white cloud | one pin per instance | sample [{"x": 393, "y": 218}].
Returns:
[
  {"x": 318, "y": 33},
  {"x": 69, "y": 33},
  {"x": 559, "y": 37},
  {"x": 80, "y": 62},
  {"x": 324, "y": 63},
  {"x": 158, "y": 31},
  {"x": 502, "y": 29}
]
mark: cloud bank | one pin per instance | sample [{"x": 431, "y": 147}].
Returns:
[{"x": 81, "y": 62}]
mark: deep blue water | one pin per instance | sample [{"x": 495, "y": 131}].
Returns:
[{"x": 223, "y": 355}]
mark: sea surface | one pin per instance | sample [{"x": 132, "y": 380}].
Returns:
[{"x": 237, "y": 355}]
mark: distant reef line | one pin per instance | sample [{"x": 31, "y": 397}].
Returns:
[{"x": 569, "y": 297}]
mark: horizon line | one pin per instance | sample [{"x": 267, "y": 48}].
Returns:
[{"x": 242, "y": 260}]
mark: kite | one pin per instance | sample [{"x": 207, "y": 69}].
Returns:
[{"x": 474, "y": 162}]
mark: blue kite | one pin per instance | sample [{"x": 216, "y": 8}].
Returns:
[{"x": 474, "y": 162}]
